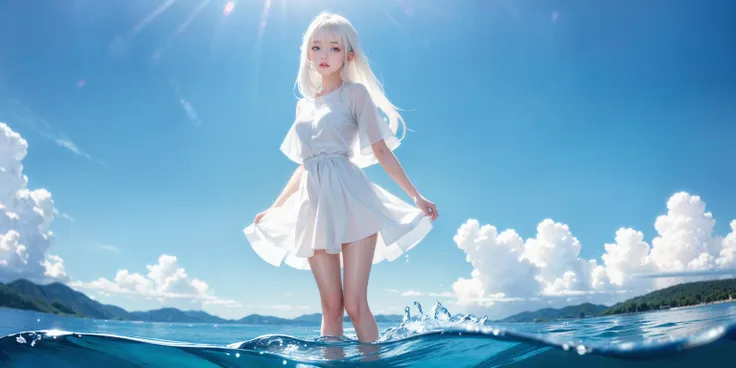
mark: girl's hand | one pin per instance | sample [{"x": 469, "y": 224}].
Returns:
[
  {"x": 426, "y": 206},
  {"x": 260, "y": 216}
]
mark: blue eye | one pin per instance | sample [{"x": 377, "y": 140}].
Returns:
[
  {"x": 336, "y": 49},
  {"x": 315, "y": 48}
]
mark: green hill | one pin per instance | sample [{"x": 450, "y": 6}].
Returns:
[
  {"x": 681, "y": 295},
  {"x": 176, "y": 315},
  {"x": 58, "y": 298},
  {"x": 257, "y": 319},
  {"x": 549, "y": 314},
  {"x": 10, "y": 298},
  {"x": 62, "y": 295}
]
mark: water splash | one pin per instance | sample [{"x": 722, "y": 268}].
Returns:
[{"x": 438, "y": 318}]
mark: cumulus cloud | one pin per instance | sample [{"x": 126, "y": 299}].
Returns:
[
  {"x": 25, "y": 218},
  {"x": 499, "y": 266},
  {"x": 25, "y": 240},
  {"x": 547, "y": 269},
  {"x": 165, "y": 281},
  {"x": 444, "y": 294}
]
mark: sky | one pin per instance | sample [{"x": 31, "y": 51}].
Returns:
[{"x": 576, "y": 150}]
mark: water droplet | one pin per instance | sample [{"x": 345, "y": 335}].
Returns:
[
  {"x": 440, "y": 313},
  {"x": 419, "y": 306},
  {"x": 237, "y": 355},
  {"x": 565, "y": 347},
  {"x": 284, "y": 362},
  {"x": 581, "y": 349}
]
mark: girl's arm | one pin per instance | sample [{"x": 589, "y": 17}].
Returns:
[
  {"x": 290, "y": 188},
  {"x": 393, "y": 167}
]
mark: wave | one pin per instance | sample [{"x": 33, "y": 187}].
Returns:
[{"x": 434, "y": 339}]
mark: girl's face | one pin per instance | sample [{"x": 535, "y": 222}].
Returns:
[{"x": 326, "y": 53}]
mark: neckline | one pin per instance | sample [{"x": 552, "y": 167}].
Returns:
[{"x": 331, "y": 92}]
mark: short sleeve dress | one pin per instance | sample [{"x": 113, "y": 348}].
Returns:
[{"x": 335, "y": 202}]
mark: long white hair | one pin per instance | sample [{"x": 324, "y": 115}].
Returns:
[{"x": 356, "y": 70}]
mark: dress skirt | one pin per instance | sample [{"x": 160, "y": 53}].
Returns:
[{"x": 334, "y": 204}]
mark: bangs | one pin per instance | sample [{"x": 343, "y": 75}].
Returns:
[{"x": 329, "y": 33}]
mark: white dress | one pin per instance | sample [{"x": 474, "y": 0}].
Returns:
[{"x": 335, "y": 202}]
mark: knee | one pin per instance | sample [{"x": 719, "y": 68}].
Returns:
[
  {"x": 355, "y": 305},
  {"x": 332, "y": 306}
]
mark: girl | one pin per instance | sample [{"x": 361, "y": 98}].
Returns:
[{"x": 329, "y": 208}]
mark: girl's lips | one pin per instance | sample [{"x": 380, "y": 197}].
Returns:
[{"x": 323, "y": 65}]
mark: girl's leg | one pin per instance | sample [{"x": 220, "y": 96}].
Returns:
[
  {"x": 326, "y": 271},
  {"x": 357, "y": 260}
]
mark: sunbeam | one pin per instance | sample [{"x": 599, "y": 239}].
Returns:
[
  {"x": 193, "y": 14},
  {"x": 159, "y": 52},
  {"x": 388, "y": 15},
  {"x": 257, "y": 52},
  {"x": 264, "y": 19},
  {"x": 150, "y": 17}
]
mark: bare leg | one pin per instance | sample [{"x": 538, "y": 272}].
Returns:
[
  {"x": 326, "y": 271},
  {"x": 357, "y": 260}
]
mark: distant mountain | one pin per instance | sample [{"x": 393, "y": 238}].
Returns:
[
  {"x": 389, "y": 318},
  {"x": 681, "y": 295},
  {"x": 257, "y": 319},
  {"x": 550, "y": 314},
  {"x": 380, "y": 318},
  {"x": 176, "y": 315},
  {"x": 58, "y": 298},
  {"x": 310, "y": 318},
  {"x": 686, "y": 294},
  {"x": 71, "y": 299},
  {"x": 10, "y": 298}
]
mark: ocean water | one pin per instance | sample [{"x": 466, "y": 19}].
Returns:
[{"x": 687, "y": 337}]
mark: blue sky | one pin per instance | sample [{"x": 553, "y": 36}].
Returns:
[{"x": 157, "y": 136}]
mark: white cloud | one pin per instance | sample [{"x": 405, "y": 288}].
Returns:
[
  {"x": 624, "y": 259},
  {"x": 510, "y": 274},
  {"x": 109, "y": 248},
  {"x": 727, "y": 255},
  {"x": 499, "y": 265},
  {"x": 25, "y": 218},
  {"x": 445, "y": 294},
  {"x": 26, "y": 238},
  {"x": 685, "y": 238},
  {"x": 166, "y": 282}
]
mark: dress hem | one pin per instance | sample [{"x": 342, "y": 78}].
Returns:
[{"x": 275, "y": 255}]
